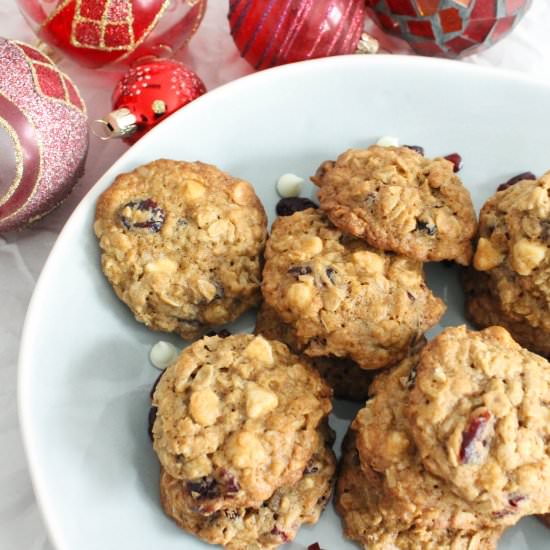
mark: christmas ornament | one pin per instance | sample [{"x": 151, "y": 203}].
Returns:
[
  {"x": 273, "y": 33},
  {"x": 149, "y": 93},
  {"x": 43, "y": 135},
  {"x": 97, "y": 32},
  {"x": 448, "y": 28}
]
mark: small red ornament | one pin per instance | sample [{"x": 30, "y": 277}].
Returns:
[
  {"x": 98, "y": 32},
  {"x": 276, "y": 32},
  {"x": 147, "y": 94},
  {"x": 448, "y": 28}
]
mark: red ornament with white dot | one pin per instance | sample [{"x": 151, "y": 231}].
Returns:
[{"x": 149, "y": 93}]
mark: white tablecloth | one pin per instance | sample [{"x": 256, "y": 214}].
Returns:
[{"x": 213, "y": 56}]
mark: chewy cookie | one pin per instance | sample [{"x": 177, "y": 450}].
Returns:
[
  {"x": 347, "y": 380},
  {"x": 484, "y": 310},
  {"x": 237, "y": 418},
  {"x": 181, "y": 245},
  {"x": 383, "y": 438},
  {"x": 275, "y": 522},
  {"x": 367, "y": 519},
  {"x": 480, "y": 418},
  {"x": 343, "y": 298},
  {"x": 398, "y": 200},
  {"x": 513, "y": 252}
]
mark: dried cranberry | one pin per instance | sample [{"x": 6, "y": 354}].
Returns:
[
  {"x": 290, "y": 205},
  {"x": 314, "y": 546},
  {"x": 411, "y": 297},
  {"x": 514, "y": 500},
  {"x": 471, "y": 435},
  {"x": 203, "y": 488},
  {"x": 155, "y": 215},
  {"x": 230, "y": 484},
  {"x": 456, "y": 159},
  {"x": 516, "y": 179},
  {"x": 277, "y": 532},
  {"x": 298, "y": 270},
  {"x": 417, "y": 148},
  {"x": 223, "y": 333},
  {"x": 331, "y": 272},
  {"x": 151, "y": 420},
  {"x": 429, "y": 228}
]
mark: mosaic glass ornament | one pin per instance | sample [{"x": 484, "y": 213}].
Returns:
[
  {"x": 276, "y": 32},
  {"x": 147, "y": 94},
  {"x": 98, "y": 32},
  {"x": 448, "y": 28},
  {"x": 43, "y": 135}
]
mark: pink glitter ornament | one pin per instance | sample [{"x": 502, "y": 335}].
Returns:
[
  {"x": 276, "y": 32},
  {"x": 43, "y": 135}
]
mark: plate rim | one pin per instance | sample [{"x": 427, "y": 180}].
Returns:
[{"x": 52, "y": 522}]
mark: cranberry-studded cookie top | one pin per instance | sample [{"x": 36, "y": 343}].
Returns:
[
  {"x": 514, "y": 250},
  {"x": 480, "y": 415},
  {"x": 267, "y": 527},
  {"x": 237, "y": 418},
  {"x": 399, "y": 200},
  {"x": 342, "y": 297},
  {"x": 182, "y": 244}
]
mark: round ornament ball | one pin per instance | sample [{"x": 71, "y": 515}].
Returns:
[
  {"x": 147, "y": 94},
  {"x": 98, "y": 32},
  {"x": 448, "y": 28},
  {"x": 274, "y": 33},
  {"x": 43, "y": 135}
]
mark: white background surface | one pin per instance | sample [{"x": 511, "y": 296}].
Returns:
[{"x": 213, "y": 56}]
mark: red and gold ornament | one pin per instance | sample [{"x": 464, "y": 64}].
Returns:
[
  {"x": 43, "y": 135},
  {"x": 276, "y": 32},
  {"x": 448, "y": 28},
  {"x": 98, "y": 32},
  {"x": 147, "y": 94}
]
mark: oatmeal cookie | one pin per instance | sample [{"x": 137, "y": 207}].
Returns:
[
  {"x": 398, "y": 200},
  {"x": 484, "y": 310},
  {"x": 181, "y": 245},
  {"x": 367, "y": 520},
  {"x": 513, "y": 250},
  {"x": 236, "y": 419},
  {"x": 385, "y": 444},
  {"x": 343, "y": 298},
  {"x": 480, "y": 416},
  {"x": 347, "y": 380},
  {"x": 275, "y": 522}
]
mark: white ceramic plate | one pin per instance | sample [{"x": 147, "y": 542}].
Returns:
[{"x": 84, "y": 369}]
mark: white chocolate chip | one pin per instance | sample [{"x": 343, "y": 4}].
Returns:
[
  {"x": 388, "y": 141},
  {"x": 260, "y": 350},
  {"x": 289, "y": 185},
  {"x": 259, "y": 400},
  {"x": 163, "y": 354},
  {"x": 204, "y": 407}
]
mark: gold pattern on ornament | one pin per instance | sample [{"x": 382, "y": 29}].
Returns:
[
  {"x": 18, "y": 150},
  {"x": 40, "y": 147},
  {"x": 31, "y": 63}
]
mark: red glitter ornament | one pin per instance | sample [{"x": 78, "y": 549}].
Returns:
[
  {"x": 43, "y": 135},
  {"x": 147, "y": 94},
  {"x": 97, "y": 32},
  {"x": 448, "y": 28},
  {"x": 276, "y": 32}
]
